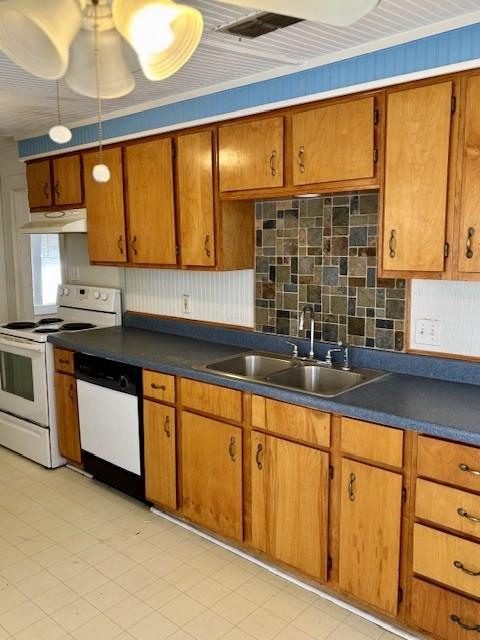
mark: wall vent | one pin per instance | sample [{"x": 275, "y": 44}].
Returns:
[{"x": 257, "y": 24}]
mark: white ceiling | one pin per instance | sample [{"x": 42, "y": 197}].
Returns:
[{"x": 28, "y": 104}]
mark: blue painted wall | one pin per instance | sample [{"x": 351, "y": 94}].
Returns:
[{"x": 458, "y": 45}]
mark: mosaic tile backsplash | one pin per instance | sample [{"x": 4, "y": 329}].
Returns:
[{"x": 323, "y": 251}]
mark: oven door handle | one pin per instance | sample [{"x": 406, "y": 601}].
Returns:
[{"x": 22, "y": 345}]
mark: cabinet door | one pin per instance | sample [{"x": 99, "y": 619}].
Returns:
[
  {"x": 151, "y": 211},
  {"x": 251, "y": 154},
  {"x": 160, "y": 454},
  {"x": 416, "y": 178},
  {"x": 469, "y": 236},
  {"x": 370, "y": 523},
  {"x": 68, "y": 429},
  {"x": 67, "y": 180},
  {"x": 39, "y": 184},
  {"x": 290, "y": 503},
  {"x": 212, "y": 474},
  {"x": 195, "y": 199},
  {"x": 105, "y": 208},
  {"x": 334, "y": 143}
]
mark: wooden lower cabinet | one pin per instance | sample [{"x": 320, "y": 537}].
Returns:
[
  {"x": 290, "y": 503},
  {"x": 370, "y": 525},
  {"x": 160, "y": 437},
  {"x": 68, "y": 428},
  {"x": 212, "y": 474}
]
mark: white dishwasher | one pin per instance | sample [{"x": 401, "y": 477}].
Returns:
[{"x": 111, "y": 432}]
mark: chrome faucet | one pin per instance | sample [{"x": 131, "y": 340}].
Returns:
[
  {"x": 308, "y": 309},
  {"x": 341, "y": 348}
]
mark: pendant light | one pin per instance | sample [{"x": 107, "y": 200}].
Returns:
[
  {"x": 163, "y": 33},
  {"x": 59, "y": 133},
  {"x": 100, "y": 172}
]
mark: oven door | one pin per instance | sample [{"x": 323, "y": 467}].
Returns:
[{"x": 23, "y": 379}]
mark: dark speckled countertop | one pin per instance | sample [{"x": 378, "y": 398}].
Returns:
[{"x": 446, "y": 409}]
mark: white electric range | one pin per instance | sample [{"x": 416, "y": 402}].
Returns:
[{"x": 27, "y": 390}]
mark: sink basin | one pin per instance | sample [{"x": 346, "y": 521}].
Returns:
[
  {"x": 320, "y": 379},
  {"x": 251, "y": 365}
]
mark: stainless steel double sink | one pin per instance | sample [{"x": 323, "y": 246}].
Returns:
[{"x": 310, "y": 376}]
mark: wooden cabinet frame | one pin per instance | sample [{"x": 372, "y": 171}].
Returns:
[{"x": 49, "y": 185}]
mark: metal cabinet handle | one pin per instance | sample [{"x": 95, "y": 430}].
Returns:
[
  {"x": 392, "y": 243},
  {"x": 461, "y": 512},
  {"x": 162, "y": 387},
  {"x": 134, "y": 245},
  {"x": 454, "y": 618},
  {"x": 46, "y": 191},
  {"x": 301, "y": 159},
  {"x": 273, "y": 157},
  {"x": 259, "y": 456},
  {"x": 469, "y": 252},
  {"x": 57, "y": 188},
  {"x": 351, "y": 493},
  {"x": 464, "y": 467},
  {"x": 206, "y": 246},
  {"x": 70, "y": 392},
  {"x": 231, "y": 449},
  {"x": 458, "y": 565},
  {"x": 120, "y": 244},
  {"x": 166, "y": 426},
  {"x": 63, "y": 361}
]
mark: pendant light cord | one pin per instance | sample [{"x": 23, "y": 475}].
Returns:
[
  {"x": 97, "y": 81},
  {"x": 59, "y": 114}
]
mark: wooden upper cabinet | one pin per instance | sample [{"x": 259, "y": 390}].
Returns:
[
  {"x": 150, "y": 201},
  {"x": 416, "y": 178},
  {"x": 39, "y": 184},
  {"x": 67, "y": 417},
  {"x": 469, "y": 233},
  {"x": 67, "y": 180},
  {"x": 251, "y": 154},
  {"x": 334, "y": 143},
  {"x": 370, "y": 525},
  {"x": 195, "y": 199},
  {"x": 105, "y": 208}
]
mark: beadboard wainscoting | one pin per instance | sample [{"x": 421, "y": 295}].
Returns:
[{"x": 224, "y": 297}]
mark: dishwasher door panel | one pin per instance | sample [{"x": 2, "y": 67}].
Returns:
[{"x": 109, "y": 425}]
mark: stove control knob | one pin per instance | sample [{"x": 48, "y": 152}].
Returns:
[
  {"x": 60, "y": 291},
  {"x": 96, "y": 295},
  {"x": 104, "y": 296},
  {"x": 66, "y": 291}
]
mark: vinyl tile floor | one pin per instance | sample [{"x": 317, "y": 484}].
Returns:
[{"x": 80, "y": 560}]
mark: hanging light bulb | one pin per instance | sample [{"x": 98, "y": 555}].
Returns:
[
  {"x": 100, "y": 172},
  {"x": 59, "y": 133}
]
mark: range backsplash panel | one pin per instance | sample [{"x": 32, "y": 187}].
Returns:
[{"x": 323, "y": 251}]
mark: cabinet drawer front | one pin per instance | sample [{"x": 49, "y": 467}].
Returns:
[
  {"x": 373, "y": 442},
  {"x": 447, "y": 559},
  {"x": 443, "y": 613},
  {"x": 449, "y": 462},
  {"x": 64, "y": 361},
  {"x": 292, "y": 421},
  {"x": 158, "y": 386},
  {"x": 448, "y": 507},
  {"x": 208, "y": 398}
]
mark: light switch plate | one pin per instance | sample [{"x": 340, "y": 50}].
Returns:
[
  {"x": 186, "y": 304},
  {"x": 427, "y": 331}
]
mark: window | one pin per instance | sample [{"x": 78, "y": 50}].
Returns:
[{"x": 46, "y": 271}]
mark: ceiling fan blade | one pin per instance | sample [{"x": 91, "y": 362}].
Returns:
[{"x": 341, "y": 13}]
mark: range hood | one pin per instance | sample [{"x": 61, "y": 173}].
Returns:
[{"x": 72, "y": 221}]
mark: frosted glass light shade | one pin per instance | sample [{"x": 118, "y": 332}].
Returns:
[
  {"x": 37, "y": 35},
  {"x": 115, "y": 78},
  {"x": 60, "y": 134},
  {"x": 101, "y": 173},
  {"x": 163, "y": 33}
]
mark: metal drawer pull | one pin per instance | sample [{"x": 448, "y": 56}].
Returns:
[
  {"x": 166, "y": 426},
  {"x": 273, "y": 157},
  {"x": 120, "y": 244},
  {"x": 63, "y": 361},
  {"x": 258, "y": 456},
  {"x": 464, "y": 514},
  {"x": 469, "y": 572},
  {"x": 134, "y": 245},
  {"x": 231, "y": 449},
  {"x": 465, "y": 467},
  {"x": 161, "y": 387},
  {"x": 57, "y": 188},
  {"x": 70, "y": 392},
  {"x": 301, "y": 159},
  {"x": 392, "y": 244},
  {"x": 454, "y": 618},
  {"x": 351, "y": 493},
  {"x": 206, "y": 246},
  {"x": 469, "y": 252},
  {"x": 45, "y": 190}
]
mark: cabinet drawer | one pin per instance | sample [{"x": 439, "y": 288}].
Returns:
[
  {"x": 448, "y": 507},
  {"x": 158, "y": 386},
  {"x": 372, "y": 442},
  {"x": 291, "y": 420},
  {"x": 449, "y": 462},
  {"x": 64, "y": 361},
  {"x": 447, "y": 559},
  {"x": 443, "y": 613},
  {"x": 208, "y": 398}
]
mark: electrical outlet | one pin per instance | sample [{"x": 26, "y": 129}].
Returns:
[
  {"x": 187, "y": 303},
  {"x": 427, "y": 332}
]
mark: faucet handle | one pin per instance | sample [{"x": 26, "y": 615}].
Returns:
[{"x": 295, "y": 348}]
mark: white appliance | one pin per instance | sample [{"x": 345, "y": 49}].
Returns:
[
  {"x": 27, "y": 392},
  {"x": 72, "y": 221}
]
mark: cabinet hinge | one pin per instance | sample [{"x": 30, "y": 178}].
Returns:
[
  {"x": 375, "y": 155},
  {"x": 329, "y": 563},
  {"x": 376, "y": 116},
  {"x": 404, "y": 494},
  {"x": 453, "y": 105},
  {"x": 400, "y": 594},
  {"x": 446, "y": 249},
  {"x": 331, "y": 472},
  {"x": 177, "y": 250}
]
